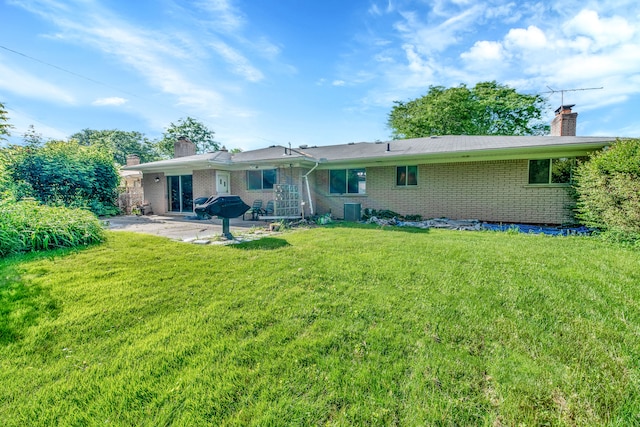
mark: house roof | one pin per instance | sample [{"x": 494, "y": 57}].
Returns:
[
  {"x": 198, "y": 161},
  {"x": 273, "y": 153},
  {"x": 436, "y": 149},
  {"x": 459, "y": 148}
]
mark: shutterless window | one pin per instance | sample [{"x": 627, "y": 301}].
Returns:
[
  {"x": 407, "y": 175},
  {"x": 261, "y": 179},
  {"x": 551, "y": 171},
  {"x": 347, "y": 181}
]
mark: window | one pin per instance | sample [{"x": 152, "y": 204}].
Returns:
[
  {"x": 407, "y": 175},
  {"x": 552, "y": 171},
  {"x": 261, "y": 179},
  {"x": 351, "y": 181}
]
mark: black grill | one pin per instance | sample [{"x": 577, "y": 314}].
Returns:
[{"x": 223, "y": 207}]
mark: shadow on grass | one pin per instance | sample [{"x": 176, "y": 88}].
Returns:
[
  {"x": 264, "y": 244},
  {"x": 21, "y": 302},
  {"x": 358, "y": 225}
]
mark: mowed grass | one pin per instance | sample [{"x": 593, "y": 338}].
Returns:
[{"x": 331, "y": 327}]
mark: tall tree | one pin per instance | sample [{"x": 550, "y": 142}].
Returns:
[
  {"x": 197, "y": 132},
  {"x": 488, "y": 108},
  {"x": 5, "y": 126},
  {"x": 119, "y": 143}
]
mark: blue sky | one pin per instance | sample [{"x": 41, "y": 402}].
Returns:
[{"x": 317, "y": 72}]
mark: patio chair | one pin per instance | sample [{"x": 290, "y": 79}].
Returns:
[
  {"x": 268, "y": 211},
  {"x": 255, "y": 210}
]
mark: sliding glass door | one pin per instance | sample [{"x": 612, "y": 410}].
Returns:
[{"x": 180, "y": 190}]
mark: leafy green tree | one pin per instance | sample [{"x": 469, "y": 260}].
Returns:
[
  {"x": 608, "y": 190},
  {"x": 488, "y": 108},
  {"x": 197, "y": 132},
  {"x": 63, "y": 173},
  {"x": 119, "y": 143},
  {"x": 5, "y": 126},
  {"x": 32, "y": 138}
]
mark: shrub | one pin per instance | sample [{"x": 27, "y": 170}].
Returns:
[
  {"x": 62, "y": 173},
  {"x": 29, "y": 226},
  {"x": 608, "y": 190}
]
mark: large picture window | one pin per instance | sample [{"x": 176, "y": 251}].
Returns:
[
  {"x": 347, "y": 181},
  {"x": 261, "y": 179},
  {"x": 552, "y": 171},
  {"x": 406, "y": 175}
]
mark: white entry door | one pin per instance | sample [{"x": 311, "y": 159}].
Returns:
[{"x": 222, "y": 182}]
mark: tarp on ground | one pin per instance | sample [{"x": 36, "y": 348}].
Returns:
[{"x": 475, "y": 225}]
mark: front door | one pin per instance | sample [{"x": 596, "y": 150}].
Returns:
[{"x": 222, "y": 182}]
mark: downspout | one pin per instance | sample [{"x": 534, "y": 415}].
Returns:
[{"x": 306, "y": 180}]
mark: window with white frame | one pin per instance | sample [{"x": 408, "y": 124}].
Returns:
[
  {"x": 347, "y": 181},
  {"x": 406, "y": 175},
  {"x": 261, "y": 179}
]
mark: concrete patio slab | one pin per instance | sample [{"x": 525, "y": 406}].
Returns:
[{"x": 179, "y": 227}]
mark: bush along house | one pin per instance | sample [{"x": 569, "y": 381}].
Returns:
[{"x": 520, "y": 179}]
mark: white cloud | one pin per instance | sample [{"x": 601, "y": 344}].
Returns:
[
  {"x": 510, "y": 12},
  {"x": 338, "y": 83},
  {"x": 225, "y": 17},
  {"x": 176, "y": 61},
  {"x": 416, "y": 64},
  {"x": 484, "y": 51},
  {"x": 383, "y": 57},
  {"x": 239, "y": 63},
  {"x": 112, "y": 101},
  {"x": 428, "y": 38},
  {"x": 374, "y": 9},
  {"x": 529, "y": 39},
  {"x": 21, "y": 82},
  {"x": 604, "y": 32}
]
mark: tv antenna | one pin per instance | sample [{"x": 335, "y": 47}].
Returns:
[{"x": 562, "y": 91}]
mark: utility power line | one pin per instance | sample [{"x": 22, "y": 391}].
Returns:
[{"x": 92, "y": 80}]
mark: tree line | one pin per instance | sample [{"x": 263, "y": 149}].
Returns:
[{"x": 82, "y": 171}]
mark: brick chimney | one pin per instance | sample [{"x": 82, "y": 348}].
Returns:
[
  {"x": 183, "y": 147},
  {"x": 133, "y": 159},
  {"x": 564, "y": 123}
]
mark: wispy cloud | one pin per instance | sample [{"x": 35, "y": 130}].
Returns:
[
  {"x": 113, "y": 101},
  {"x": 225, "y": 18},
  {"x": 172, "y": 61},
  {"x": 23, "y": 83},
  {"x": 238, "y": 62},
  {"x": 429, "y": 35}
]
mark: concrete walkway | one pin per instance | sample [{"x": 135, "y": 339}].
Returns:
[{"x": 179, "y": 227}]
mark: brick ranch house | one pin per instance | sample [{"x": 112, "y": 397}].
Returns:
[{"x": 491, "y": 178}]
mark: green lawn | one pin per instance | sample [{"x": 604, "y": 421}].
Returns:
[{"x": 333, "y": 326}]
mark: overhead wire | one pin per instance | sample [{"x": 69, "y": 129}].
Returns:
[{"x": 92, "y": 81}]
